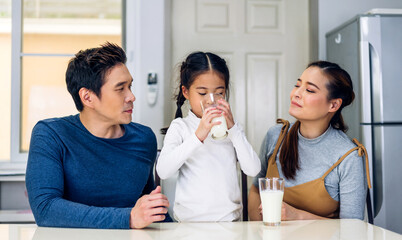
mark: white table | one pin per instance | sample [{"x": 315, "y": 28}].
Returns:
[{"x": 314, "y": 229}]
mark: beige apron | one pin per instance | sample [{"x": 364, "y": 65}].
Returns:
[{"x": 312, "y": 196}]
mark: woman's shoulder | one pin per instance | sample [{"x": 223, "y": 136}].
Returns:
[
  {"x": 352, "y": 163},
  {"x": 272, "y": 136},
  {"x": 273, "y": 132},
  {"x": 339, "y": 145},
  {"x": 341, "y": 140}
]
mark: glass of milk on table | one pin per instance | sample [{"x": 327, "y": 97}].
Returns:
[
  {"x": 220, "y": 131},
  {"x": 271, "y": 193}
]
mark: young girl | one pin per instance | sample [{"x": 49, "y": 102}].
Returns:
[{"x": 207, "y": 187}]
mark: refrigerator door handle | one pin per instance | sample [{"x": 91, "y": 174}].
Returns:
[
  {"x": 378, "y": 182},
  {"x": 365, "y": 86},
  {"x": 376, "y": 84},
  {"x": 371, "y": 91},
  {"x": 377, "y": 132}
]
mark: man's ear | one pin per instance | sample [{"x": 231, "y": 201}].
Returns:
[
  {"x": 335, "y": 104},
  {"x": 86, "y": 97},
  {"x": 185, "y": 91}
]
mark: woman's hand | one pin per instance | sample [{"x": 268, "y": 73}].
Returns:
[
  {"x": 206, "y": 123},
  {"x": 225, "y": 108},
  {"x": 289, "y": 212},
  {"x": 254, "y": 204}
]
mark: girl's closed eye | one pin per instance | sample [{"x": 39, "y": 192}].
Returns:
[{"x": 310, "y": 91}]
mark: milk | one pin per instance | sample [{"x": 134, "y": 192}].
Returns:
[
  {"x": 271, "y": 201},
  {"x": 219, "y": 131}
]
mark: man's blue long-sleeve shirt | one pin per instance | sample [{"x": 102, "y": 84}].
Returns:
[{"x": 75, "y": 179}]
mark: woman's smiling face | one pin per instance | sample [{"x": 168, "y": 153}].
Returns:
[{"x": 309, "y": 97}]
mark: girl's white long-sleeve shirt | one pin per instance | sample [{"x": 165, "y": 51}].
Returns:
[{"x": 207, "y": 187}]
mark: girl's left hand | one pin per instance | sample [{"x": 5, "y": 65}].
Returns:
[{"x": 225, "y": 108}]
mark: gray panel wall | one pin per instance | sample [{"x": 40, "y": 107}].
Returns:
[
  {"x": 333, "y": 13},
  {"x": 13, "y": 196}
]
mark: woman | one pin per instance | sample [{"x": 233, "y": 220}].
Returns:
[{"x": 324, "y": 175}]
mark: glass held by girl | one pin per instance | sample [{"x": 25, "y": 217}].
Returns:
[{"x": 207, "y": 187}]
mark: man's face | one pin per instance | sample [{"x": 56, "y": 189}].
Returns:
[{"x": 115, "y": 104}]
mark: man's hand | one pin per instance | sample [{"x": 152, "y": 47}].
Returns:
[{"x": 148, "y": 209}]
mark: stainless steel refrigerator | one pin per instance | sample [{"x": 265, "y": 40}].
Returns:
[{"x": 369, "y": 48}]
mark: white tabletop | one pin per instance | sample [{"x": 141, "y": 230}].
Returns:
[{"x": 312, "y": 229}]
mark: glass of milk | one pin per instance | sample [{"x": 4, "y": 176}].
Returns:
[
  {"x": 271, "y": 193},
  {"x": 220, "y": 131}
]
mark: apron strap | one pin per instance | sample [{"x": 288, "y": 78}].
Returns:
[
  {"x": 360, "y": 150},
  {"x": 282, "y": 136}
]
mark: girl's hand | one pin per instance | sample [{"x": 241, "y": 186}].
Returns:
[
  {"x": 225, "y": 108},
  {"x": 206, "y": 123}
]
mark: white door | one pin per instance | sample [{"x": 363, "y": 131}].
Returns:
[
  {"x": 265, "y": 42},
  {"x": 266, "y": 45}
]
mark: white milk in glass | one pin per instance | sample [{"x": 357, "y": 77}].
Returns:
[
  {"x": 219, "y": 131},
  {"x": 271, "y": 206}
]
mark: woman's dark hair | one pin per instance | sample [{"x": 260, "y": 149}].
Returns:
[
  {"x": 339, "y": 86},
  {"x": 196, "y": 64},
  {"x": 89, "y": 68}
]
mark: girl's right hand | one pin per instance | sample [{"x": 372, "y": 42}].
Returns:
[{"x": 206, "y": 122}]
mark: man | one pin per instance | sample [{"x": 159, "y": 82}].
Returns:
[{"x": 94, "y": 169}]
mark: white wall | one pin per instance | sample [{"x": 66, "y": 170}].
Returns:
[
  {"x": 149, "y": 47},
  {"x": 148, "y": 50},
  {"x": 333, "y": 13}
]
